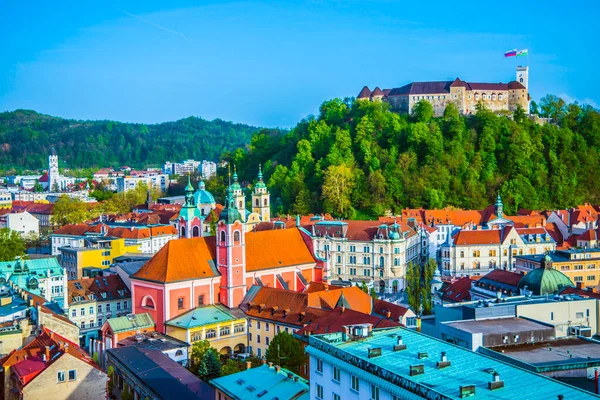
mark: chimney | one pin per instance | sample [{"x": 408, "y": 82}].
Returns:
[
  {"x": 443, "y": 363},
  {"x": 561, "y": 397},
  {"x": 399, "y": 345},
  {"x": 343, "y": 309},
  {"x": 248, "y": 364},
  {"x": 270, "y": 364},
  {"x": 295, "y": 379},
  {"x": 388, "y": 314},
  {"x": 290, "y": 375},
  {"x": 47, "y": 353},
  {"x": 277, "y": 368},
  {"x": 496, "y": 383}
]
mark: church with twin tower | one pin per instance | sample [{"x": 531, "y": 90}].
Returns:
[{"x": 195, "y": 215}]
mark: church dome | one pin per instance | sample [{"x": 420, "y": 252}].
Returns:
[
  {"x": 545, "y": 280},
  {"x": 202, "y": 196}
]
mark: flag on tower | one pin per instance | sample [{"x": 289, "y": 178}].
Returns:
[
  {"x": 522, "y": 53},
  {"x": 511, "y": 53}
]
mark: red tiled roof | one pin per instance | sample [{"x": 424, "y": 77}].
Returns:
[
  {"x": 364, "y": 93},
  {"x": 580, "y": 292},
  {"x": 483, "y": 236},
  {"x": 355, "y": 298},
  {"x": 458, "y": 290},
  {"x": 454, "y": 217},
  {"x": 318, "y": 286},
  {"x": 505, "y": 277},
  {"x": 180, "y": 260},
  {"x": 110, "y": 284},
  {"x": 589, "y": 235},
  {"x": 120, "y": 232},
  {"x": 335, "y": 320},
  {"x": 276, "y": 248},
  {"x": 44, "y": 178},
  {"x": 381, "y": 307},
  {"x": 377, "y": 92}
]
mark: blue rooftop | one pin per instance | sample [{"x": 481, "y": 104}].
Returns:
[
  {"x": 263, "y": 382},
  {"x": 391, "y": 370}
]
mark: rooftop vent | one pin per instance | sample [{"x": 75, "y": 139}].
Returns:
[
  {"x": 443, "y": 363},
  {"x": 417, "y": 369},
  {"x": 467, "y": 391},
  {"x": 399, "y": 345},
  {"x": 374, "y": 352},
  {"x": 496, "y": 383},
  {"x": 422, "y": 354}
]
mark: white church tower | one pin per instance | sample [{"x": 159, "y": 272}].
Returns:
[{"x": 53, "y": 171}]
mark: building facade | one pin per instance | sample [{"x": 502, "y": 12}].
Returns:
[
  {"x": 23, "y": 222},
  {"x": 43, "y": 277},
  {"x": 151, "y": 180},
  {"x": 466, "y": 96}
]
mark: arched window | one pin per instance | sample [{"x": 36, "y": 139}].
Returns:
[
  {"x": 493, "y": 96},
  {"x": 148, "y": 302},
  {"x": 178, "y": 353},
  {"x": 236, "y": 236},
  {"x": 462, "y": 253},
  {"x": 257, "y": 202},
  {"x": 182, "y": 232},
  {"x": 202, "y": 211},
  {"x": 265, "y": 202},
  {"x": 222, "y": 236},
  {"x": 195, "y": 231},
  {"x": 241, "y": 204},
  {"x": 381, "y": 261}
]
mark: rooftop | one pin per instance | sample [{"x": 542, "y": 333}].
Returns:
[
  {"x": 201, "y": 316},
  {"x": 390, "y": 370},
  {"x": 163, "y": 376},
  {"x": 272, "y": 383},
  {"x": 498, "y": 325},
  {"x": 153, "y": 340},
  {"x": 131, "y": 322}
]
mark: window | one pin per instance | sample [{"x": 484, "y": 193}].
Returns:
[
  {"x": 578, "y": 279},
  {"x": 118, "y": 305},
  {"x": 374, "y": 392},
  {"x": 336, "y": 374},
  {"x": 336, "y": 396},
  {"x": 236, "y": 236},
  {"x": 99, "y": 308},
  {"x": 211, "y": 333},
  {"x": 99, "y": 321},
  {"x": 60, "y": 376},
  {"x": 320, "y": 366},
  {"x": 551, "y": 316},
  {"x": 72, "y": 375},
  {"x": 223, "y": 236},
  {"x": 82, "y": 324},
  {"x": 225, "y": 330},
  {"x": 319, "y": 391},
  {"x": 257, "y": 324},
  {"x": 462, "y": 253},
  {"x": 108, "y": 308},
  {"x": 257, "y": 338},
  {"x": 125, "y": 305},
  {"x": 82, "y": 311},
  {"x": 267, "y": 340},
  {"x": 201, "y": 300},
  {"x": 91, "y": 310},
  {"x": 180, "y": 303},
  {"x": 579, "y": 315},
  {"x": 73, "y": 312},
  {"x": 147, "y": 302},
  {"x": 591, "y": 278},
  {"x": 267, "y": 326},
  {"x": 355, "y": 383}
]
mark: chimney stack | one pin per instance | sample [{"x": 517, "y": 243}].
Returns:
[
  {"x": 496, "y": 383},
  {"x": 248, "y": 364},
  {"x": 47, "y": 353},
  {"x": 277, "y": 368},
  {"x": 270, "y": 364}
]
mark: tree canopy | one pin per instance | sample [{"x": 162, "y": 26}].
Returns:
[
  {"x": 11, "y": 245},
  {"x": 359, "y": 159},
  {"x": 27, "y": 138},
  {"x": 287, "y": 352}
]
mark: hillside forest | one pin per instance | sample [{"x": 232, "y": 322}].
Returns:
[{"x": 357, "y": 159}]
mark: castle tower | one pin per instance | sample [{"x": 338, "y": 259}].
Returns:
[
  {"x": 261, "y": 199},
  {"x": 53, "y": 176},
  {"x": 523, "y": 76},
  {"x": 189, "y": 223},
  {"x": 231, "y": 253},
  {"x": 238, "y": 194}
]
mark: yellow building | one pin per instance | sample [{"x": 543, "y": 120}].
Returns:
[
  {"x": 582, "y": 266},
  {"x": 87, "y": 255},
  {"x": 226, "y": 331},
  {"x": 5, "y": 200}
]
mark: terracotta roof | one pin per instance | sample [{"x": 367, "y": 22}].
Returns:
[
  {"x": 482, "y": 236},
  {"x": 335, "y": 320},
  {"x": 381, "y": 307},
  {"x": 580, "y": 292},
  {"x": 454, "y": 217},
  {"x": 318, "y": 286},
  {"x": 276, "y": 248},
  {"x": 377, "y": 92},
  {"x": 589, "y": 235},
  {"x": 364, "y": 93},
  {"x": 458, "y": 290},
  {"x": 180, "y": 260},
  {"x": 501, "y": 276},
  {"x": 354, "y": 297},
  {"x": 526, "y": 221},
  {"x": 112, "y": 286},
  {"x": 553, "y": 230},
  {"x": 133, "y": 232},
  {"x": 515, "y": 85}
]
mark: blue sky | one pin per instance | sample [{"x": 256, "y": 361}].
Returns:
[{"x": 272, "y": 63}]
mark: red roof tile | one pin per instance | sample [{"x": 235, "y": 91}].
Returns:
[{"x": 458, "y": 290}]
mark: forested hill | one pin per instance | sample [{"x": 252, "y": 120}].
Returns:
[
  {"x": 358, "y": 159},
  {"x": 26, "y": 138}
]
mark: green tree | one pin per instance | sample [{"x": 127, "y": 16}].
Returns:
[
  {"x": 111, "y": 381},
  {"x": 199, "y": 349},
  {"x": 12, "y": 245},
  {"x": 287, "y": 352},
  {"x": 69, "y": 210},
  {"x": 337, "y": 189},
  {"x": 413, "y": 286},
  {"x": 210, "y": 367},
  {"x": 38, "y": 187},
  {"x": 231, "y": 367},
  {"x": 422, "y": 111},
  {"x": 428, "y": 272},
  {"x": 364, "y": 287},
  {"x": 126, "y": 394},
  {"x": 373, "y": 293},
  {"x": 213, "y": 223}
]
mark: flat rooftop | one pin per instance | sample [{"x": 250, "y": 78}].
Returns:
[
  {"x": 390, "y": 370},
  {"x": 562, "y": 351},
  {"x": 498, "y": 325}
]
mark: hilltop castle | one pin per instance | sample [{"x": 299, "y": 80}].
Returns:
[{"x": 464, "y": 95}]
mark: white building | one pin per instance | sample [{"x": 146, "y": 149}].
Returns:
[
  {"x": 152, "y": 180},
  {"x": 22, "y": 222},
  {"x": 373, "y": 252}
]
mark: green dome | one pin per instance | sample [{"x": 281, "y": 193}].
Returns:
[
  {"x": 545, "y": 280},
  {"x": 202, "y": 196}
]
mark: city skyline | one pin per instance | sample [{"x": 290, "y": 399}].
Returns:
[{"x": 269, "y": 64}]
